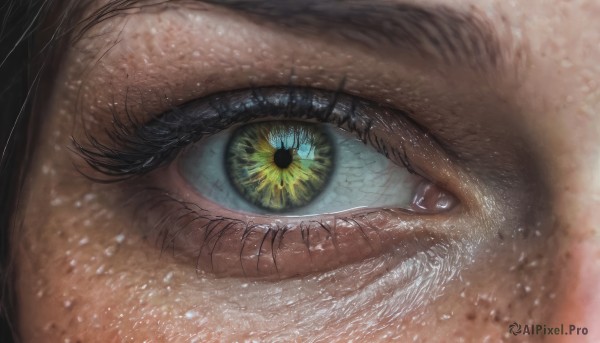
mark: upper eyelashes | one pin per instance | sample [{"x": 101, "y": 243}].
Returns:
[{"x": 136, "y": 149}]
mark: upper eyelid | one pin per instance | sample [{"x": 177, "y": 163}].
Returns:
[
  {"x": 414, "y": 148},
  {"x": 182, "y": 92},
  {"x": 403, "y": 142},
  {"x": 135, "y": 148},
  {"x": 392, "y": 82}
]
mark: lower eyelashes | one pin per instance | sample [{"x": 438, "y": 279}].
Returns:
[{"x": 258, "y": 248}]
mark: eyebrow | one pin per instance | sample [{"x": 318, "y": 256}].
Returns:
[{"x": 435, "y": 32}]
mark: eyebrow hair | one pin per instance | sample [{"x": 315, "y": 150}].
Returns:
[
  {"x": 437, "y": 32},
  {"x": 434, "y": 32}
]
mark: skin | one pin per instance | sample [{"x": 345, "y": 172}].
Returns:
[{"x": 522, "y": 247}]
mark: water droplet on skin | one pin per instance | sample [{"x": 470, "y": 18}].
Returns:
[
  {"x": 111, "y": 250},
  {"x": 85, "y": 240},
  {"x": 168, "y": 277},
  {"x": 56, "y": 201},
  {"x": 120, "y": 238},
  {"x": 191, "y": 314},
  {"x": 100, "y": 270},
  {"x": 566, "y": 64},
  {"x": 89, "y": 197}
]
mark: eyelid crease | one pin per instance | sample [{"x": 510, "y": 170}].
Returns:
[{"x": 135, "y": 149}]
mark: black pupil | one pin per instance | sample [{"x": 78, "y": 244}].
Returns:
[{"x": 283, "y": 157}]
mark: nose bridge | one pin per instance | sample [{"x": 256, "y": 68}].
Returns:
[{"x": 566, "y": 128}]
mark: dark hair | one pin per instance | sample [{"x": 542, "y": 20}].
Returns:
[
  {"x": 26, "y": 34},
  {"x": 32, "y": 33}
]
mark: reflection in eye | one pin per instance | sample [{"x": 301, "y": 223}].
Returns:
[
  {"x": 221, "y": 203},
  {"x": 280, "y": 166}
]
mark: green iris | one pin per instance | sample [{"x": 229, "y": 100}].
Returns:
[{"x": 280, "y": 165}]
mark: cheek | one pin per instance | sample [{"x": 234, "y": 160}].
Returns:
[{"x": 85, "y": 275}]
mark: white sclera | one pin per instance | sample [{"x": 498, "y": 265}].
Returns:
[{"x": 361, "y": 177}]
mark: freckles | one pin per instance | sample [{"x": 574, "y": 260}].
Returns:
[
  {"x": 90, "y": 276},
  {"x": 89, "y": 281},
  {"x": 102, "y": 279}
]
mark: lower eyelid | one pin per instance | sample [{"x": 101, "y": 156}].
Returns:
[
  {"x": 226, "y": 243},
  {"x": 264, "y": 248}
]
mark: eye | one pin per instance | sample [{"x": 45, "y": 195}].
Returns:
[
  {"x": 280, "y": 166},
  {"x": 280, "y": 181},
  {"x": 295, "y": 168}
]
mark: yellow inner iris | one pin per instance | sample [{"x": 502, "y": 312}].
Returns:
[{"x": 280, "y": 165}]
